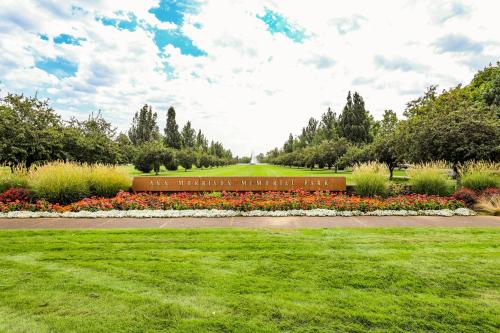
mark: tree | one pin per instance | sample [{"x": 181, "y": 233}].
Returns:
[
  {"x": 288, "y": 146},
  {"x": 91, "y": 141},
  {"x": 188, "y": 135},
  {"x": 172, "y": 136},
  {"x": 201, "y": 142},
  {"x": 152, "y": 155},
  {"x": 328, "y": 126},
  {"x": 144, "y": 127},
  {"x": 30, "y": 131},
  {"x": 309, "y": 132},
  {"x": 387, "y": 141},
  {"x": 354, "y": 124},
  {"x": 126, "y": 148},
  {"x": 186, "y": 159}
]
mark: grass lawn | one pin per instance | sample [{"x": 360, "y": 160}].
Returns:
[
  {"x": 230, "y": 280},
  {"x": 253, "y": 170}
]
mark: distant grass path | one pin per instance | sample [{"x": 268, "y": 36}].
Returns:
[
  {"x": 241, "y": 280},
  {"x": 253, "y": 170}
]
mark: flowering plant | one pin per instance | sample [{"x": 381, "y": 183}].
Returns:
[{"x": 242, "y": 201}]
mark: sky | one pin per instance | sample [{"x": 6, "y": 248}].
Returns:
[{"x": 247, "y": 73}]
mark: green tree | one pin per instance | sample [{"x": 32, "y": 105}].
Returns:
[
  {"x": 151, "y": 156},
  {"x": 354, "y": 123},
  {"x": 173, "y": 138},
  {"x": 144, "y": 127},
  {"x": 328, "y": 126},
  {"x": 91, "y": 141},
  {"x": 188, "y": 135},
  {"x": 288, "y": 146},
  {"x": 126, "y": 149},
  {"x": 186, "y": 159},
  {"x": 201, "y": 142},
  {"x": 30, "y": 131}
]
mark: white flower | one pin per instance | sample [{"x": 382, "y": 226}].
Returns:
[{"x": 232, "y": 213}]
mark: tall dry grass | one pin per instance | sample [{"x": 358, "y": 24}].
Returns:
[
  {"x": 479, "y": 175},
  {"x": 430, "y": 178},
  {"x": 16, "y": 179},
  {"x": 371, "y": 179},
  {"x": 66, "y": 182}
]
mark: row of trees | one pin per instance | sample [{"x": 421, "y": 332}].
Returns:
[
  {"x": 457, "y": 125},
  {"x": 32, "y": 132}
]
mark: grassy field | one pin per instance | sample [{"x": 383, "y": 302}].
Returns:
[
  {"x": 253, "y": 170},
  {"x": 330, "y": 280}
]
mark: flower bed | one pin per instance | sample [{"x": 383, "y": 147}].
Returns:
[{"x": 243, "y": 202}]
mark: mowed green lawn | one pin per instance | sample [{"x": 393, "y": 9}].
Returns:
[
  {"x": 235, "y": 280},
  {"x": 252, "y": 170}
]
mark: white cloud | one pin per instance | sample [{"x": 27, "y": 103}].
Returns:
[{"x": 253, "y": 87}]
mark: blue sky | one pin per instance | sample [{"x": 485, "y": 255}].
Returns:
[{"x": 246, "y": 72}]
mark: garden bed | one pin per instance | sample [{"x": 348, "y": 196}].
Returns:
[{"x": 224, "y": 204}]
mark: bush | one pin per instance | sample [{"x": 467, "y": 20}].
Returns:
[
  {"x": 17, "y": 179},
  {"x": 480, "y": 175},
  {"x": 150, "y": 157},
  {"x": 371, "y": 179},
  {"x": 61, "y": 182},
  {"x": 430, "y": 178},
  {"x": 13, "y": 194},
  {"x": 186, "y": 159},
  {"x": 107, "y": 181},
  {"x": 466, "y": 195}
]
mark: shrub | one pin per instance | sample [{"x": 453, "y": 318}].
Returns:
[
  {"x": 107, "y": 181},
  {"x": 60, "y": 182},
  {"x": 371, "y": 179},
  {"x": 186, "y": 158},
  {"x": 430, "y": 178},
  {"x": 479, "y": 175},
  {"x": 466, "y": 195},
  {"x": 13, "y": 194},
  {"x": 490, "y": 205}
]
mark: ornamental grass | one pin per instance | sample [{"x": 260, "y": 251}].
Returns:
[
  {"x": 480, "y": 175},
  {"x": 371, "y": 179},
  {"x": 16, "y": 179},
  {"x": 489, "y": 205},
  {"x": 430, "y": 178},
  {"x": 67, "y": 182}
]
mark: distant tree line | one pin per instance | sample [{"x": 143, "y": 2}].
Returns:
[
  {"x": 31, "y": 132},
  {"x": 458, "y": 125}
]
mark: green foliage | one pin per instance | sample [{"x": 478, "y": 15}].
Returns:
[
  {"x": 144, "y": 127},
  {"x": 91, "y": 141},
  {"x": 188, "y": 136},
  {"x": 186, "y": 159},
  {"x": 353, "y": 122},
  {"x": 173, "y": 138},
  {"x": 30, "y": 131},
  {"x": 169, "y": 159},
  {"x": 150, "y": 157},
  {"x": 430, "y": 178},
  {"x": 371, "y": 179}
]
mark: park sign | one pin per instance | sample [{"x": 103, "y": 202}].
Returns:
[{"x": 208, "y": 184}]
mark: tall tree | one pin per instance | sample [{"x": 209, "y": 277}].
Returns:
[
  {"x": 144, "y": 127},
  {"x": 354, "y": 124},
  {"x": 172, "y": 136},
  {"x": 309, "y": 132},
  {"x": 288, "y": 146},
  {"x": 328, "y": 126},
  {"x": 201, "y": 142},
  {"x": 188, "y": 135}
]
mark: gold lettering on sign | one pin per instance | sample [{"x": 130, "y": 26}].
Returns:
[{"x": 173, "y": 184}]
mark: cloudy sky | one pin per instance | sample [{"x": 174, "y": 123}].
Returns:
[{"x": 246, "y": 72}]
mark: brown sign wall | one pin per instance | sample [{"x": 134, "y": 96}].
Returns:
[{"x": 178, "y": 184}]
